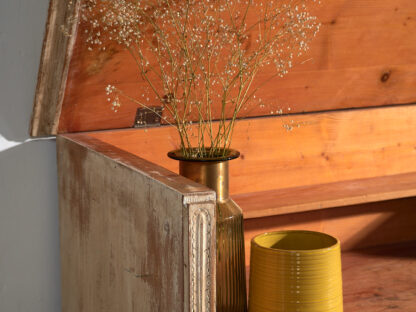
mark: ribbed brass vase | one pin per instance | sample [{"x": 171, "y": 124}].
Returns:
[
  {"x": 294, "y": 271},
  {"x": 231, "y": 276}
]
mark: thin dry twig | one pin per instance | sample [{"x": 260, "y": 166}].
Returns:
[{"x": 198, "y": 52}]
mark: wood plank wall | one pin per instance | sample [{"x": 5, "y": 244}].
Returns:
[{"x": 364, "y": 55}]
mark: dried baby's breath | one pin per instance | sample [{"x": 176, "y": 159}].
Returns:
[{"x": 201, "y": 52}]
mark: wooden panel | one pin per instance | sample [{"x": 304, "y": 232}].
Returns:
[
  {"x": 358, "y": 226},
  {"x": 325, "y": 148},
  {"x": 128, "y": 233},
  {"x": 306, "y": 198},
  {"x": 364, "y": 55},
  {"x": 60, "y": 35}
]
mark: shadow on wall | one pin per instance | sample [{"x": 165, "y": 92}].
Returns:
[{"x": 29, "y": 228}]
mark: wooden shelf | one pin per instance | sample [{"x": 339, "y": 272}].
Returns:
[
  {"x": 380, "y": 279},
  {"x": 306, "y": 198}
]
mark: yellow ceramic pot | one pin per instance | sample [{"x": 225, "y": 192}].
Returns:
[{"x": 293, "y": 271}]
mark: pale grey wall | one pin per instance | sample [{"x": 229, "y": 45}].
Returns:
[{"x": 29, "y": 237}]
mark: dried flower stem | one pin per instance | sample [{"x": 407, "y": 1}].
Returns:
[{"x": 202, "y": 52}]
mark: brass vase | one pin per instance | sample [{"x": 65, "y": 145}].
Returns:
[{"x": 231, "y": 276}]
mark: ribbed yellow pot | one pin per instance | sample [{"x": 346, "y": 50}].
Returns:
[{"x": 293, "y": 271}]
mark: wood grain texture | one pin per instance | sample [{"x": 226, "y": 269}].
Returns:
[
  {"x": 325, "y": 148},
  {"x": 127, "y": 233},
  {"x": 60, "y": 35},
  {"x": 380, "y": 279},
  {"x": 345, "y": 193},
  {"x": 364, "y": 55}
]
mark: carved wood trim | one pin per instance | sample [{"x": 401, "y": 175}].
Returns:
[
  {"x": 60, "y": 35},
  {"x": 202, "y": 257}
]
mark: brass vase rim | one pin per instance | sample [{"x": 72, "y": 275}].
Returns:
[
  {"x": 334, "y": 246},
  {"x": 230, "y": 154}
]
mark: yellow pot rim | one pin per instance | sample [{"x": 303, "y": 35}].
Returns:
[{"x": 335, "y": 246}]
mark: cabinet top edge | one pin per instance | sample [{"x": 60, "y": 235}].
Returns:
[{"x": 191, "y": 191}]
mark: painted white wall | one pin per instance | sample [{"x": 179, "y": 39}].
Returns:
[{"x": 29, "y": 233}]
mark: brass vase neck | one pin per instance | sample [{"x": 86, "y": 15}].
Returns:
[{"x": 213, "y": 174}]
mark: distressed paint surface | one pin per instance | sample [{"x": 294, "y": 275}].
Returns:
[
  {"x": 124, "y": 233},
  {"x": 60, "y": 36}
]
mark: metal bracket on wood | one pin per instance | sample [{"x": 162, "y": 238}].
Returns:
[{"x": 148, "y": 117}]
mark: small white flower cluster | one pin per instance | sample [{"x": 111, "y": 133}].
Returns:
[
  {"x": 110, "y": 89},
  {"x": 115, "y": 103},
  {"x": 113, "y": 98}
]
